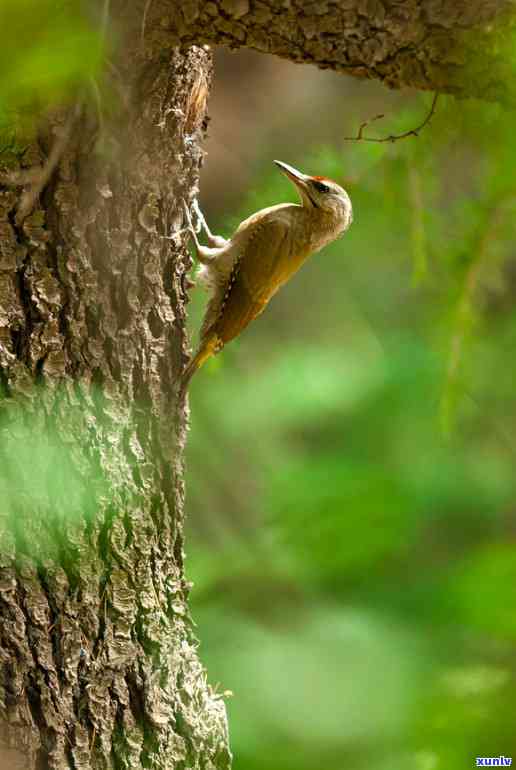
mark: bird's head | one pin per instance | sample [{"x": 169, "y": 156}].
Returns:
[{"x": 318, "y": 192}]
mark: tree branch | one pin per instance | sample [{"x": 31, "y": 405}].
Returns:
[
  {"x": 462, "y": 47},
  {"x": 38, "y": 177},
  {"x": 392, "y": 137}
]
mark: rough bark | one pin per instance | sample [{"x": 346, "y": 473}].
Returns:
[
  {"x": 97, "y": 657},
  {"x": 463, "y": 47}
]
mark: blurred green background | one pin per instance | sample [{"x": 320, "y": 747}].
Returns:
[
  {"x": 350, "y": 486},
  {"x": 49, "y": 50}
]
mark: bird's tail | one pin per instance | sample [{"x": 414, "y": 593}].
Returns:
[{"x": 206, "y": 350}]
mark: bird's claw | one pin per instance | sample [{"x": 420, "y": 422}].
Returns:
[
  {"x": 200, "y": 219},
  {"x": 201, "y": 222}
]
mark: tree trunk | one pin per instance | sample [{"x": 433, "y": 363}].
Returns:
[{"x": 98, "y": 659}]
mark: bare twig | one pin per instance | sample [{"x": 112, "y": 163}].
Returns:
[
  {"x": 98, "y": 103},
  {"x": 392, "y": 137},
  {"x": 104, "y": 24},
  {"x": 359, "y": 137},
  {"x": 38, "y": 178},
  {"x": 144, "y": 22},
  {"x": 105, "y": 20}
]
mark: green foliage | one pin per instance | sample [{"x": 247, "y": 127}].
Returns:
[
  {"x": 354, "y": 560},
  {"x": 49, "y": 49},
  {"x": 483, "y": 590},
  {"x": 15, "y": 133},
  {"x": 48, "y": 490}
]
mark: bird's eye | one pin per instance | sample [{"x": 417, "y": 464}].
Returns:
[{"x": 320, "y": 187}]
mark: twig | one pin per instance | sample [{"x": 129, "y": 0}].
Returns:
[
  {"x": 38, "y": 177},
  {"x": 98, "y": 103},
  {"x": 392, "y": 137},
  {"x": 41, "y": 177},
  {"x": 105, "y": 20},
  {"x": 144, "y": 23},
  {"x": 359, "y": 137}
]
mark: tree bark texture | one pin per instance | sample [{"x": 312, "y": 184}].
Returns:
[
  {"x": 98, "y": 661},
  {"x": 462, "y": 47}
]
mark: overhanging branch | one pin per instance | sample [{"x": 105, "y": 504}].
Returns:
[{"x": 461, "y": 47}]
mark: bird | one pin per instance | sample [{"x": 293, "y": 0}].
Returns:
[{"x": 243, "y": 273}]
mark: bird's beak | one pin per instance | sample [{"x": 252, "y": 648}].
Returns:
[
  {"x": 296, "y": 176},
  {"x": 300, "y": 180}
]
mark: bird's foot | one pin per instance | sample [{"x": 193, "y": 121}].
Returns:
[
  {"x": 189, "y": 283},
  {"x": 189, "y": 224},
  {"x": 205, "y": 254},
  {"x": 214, "y": 240},
  {"x": 201, "y": 221}
]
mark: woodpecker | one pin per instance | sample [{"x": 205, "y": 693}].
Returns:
[{"x": 243, "y": 273}]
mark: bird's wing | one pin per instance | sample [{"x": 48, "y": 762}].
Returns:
[{"x": 251, "y": 283}]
